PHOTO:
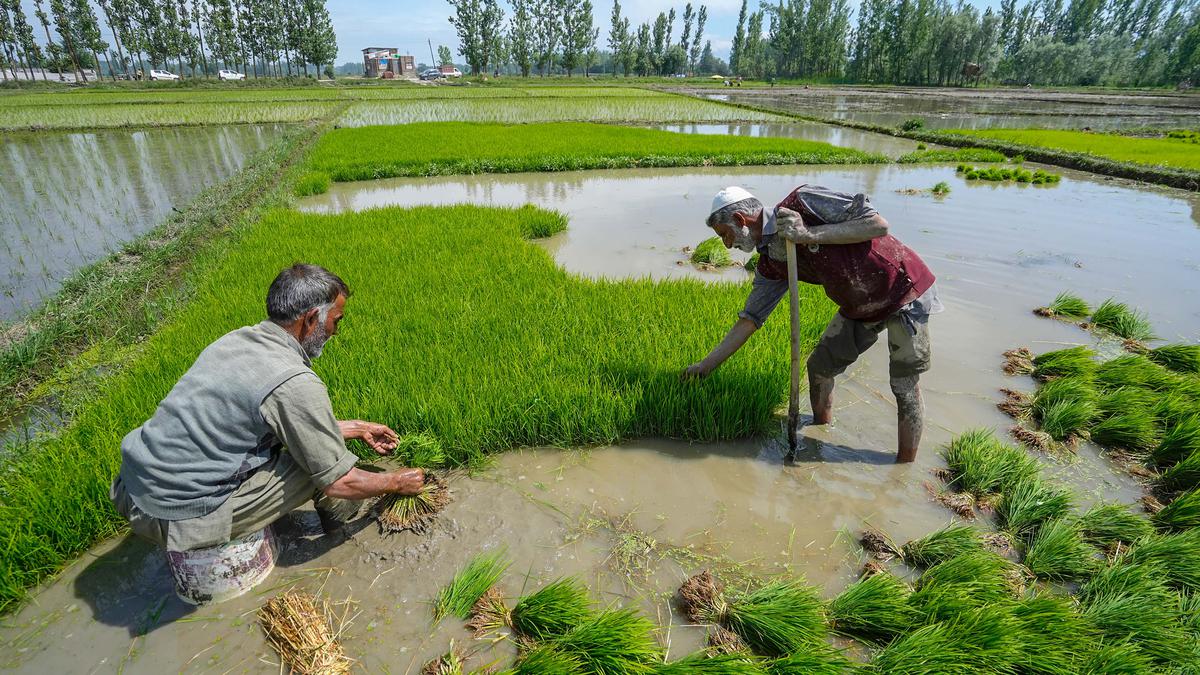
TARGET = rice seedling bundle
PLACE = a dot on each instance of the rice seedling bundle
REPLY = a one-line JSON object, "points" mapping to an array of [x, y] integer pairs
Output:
{"points": [[548, 660], [942, 545], [1119, 319], [450, 663], [1177, 357], [874, 609], [1182, 513], [1059, 552], [1134, 370], [751, 263], [1030, 503], [1106, 525], [1176, 555], [1063, 390], [300, 631], [1133, 429], [712, 252], [821, 659], [962, 583], [1131, 602], [1067, 420], [982, 465], [1182, 476], [702, 663], [777, 619], [1118, 657], [1054, 638], [469, 585], [415, 513], [1125, 399], [980, 640], [1068, 306], [1175, 409], [552, 610], [1181, 441], [451, 147], [1064, 362], [614, 642]]}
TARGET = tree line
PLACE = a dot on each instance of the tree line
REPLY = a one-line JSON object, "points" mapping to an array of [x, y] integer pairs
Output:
{"points": [[192, 37], [928, 42]]}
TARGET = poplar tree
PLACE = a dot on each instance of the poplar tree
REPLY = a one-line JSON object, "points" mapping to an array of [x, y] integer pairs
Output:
{"points": [[618, 38], [87, 30], [547, 33], [577, 34], [62, 24], [694, 51], [739, 41], [521, 36]]}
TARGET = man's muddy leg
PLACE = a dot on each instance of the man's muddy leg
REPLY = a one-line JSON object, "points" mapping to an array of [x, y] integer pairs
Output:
{"points": [[910, 414], [820, 395]]}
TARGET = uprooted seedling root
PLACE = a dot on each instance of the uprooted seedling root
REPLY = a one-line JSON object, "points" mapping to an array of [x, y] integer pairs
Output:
{"points": [[722, 641], [1018, 361], [702, 597], [450, 663], [871, 568], [415, 513], [1037, 440], [1016, 404], [879, 545], [489, 614], [1001, 545], [961, 503], [1151, 504]]}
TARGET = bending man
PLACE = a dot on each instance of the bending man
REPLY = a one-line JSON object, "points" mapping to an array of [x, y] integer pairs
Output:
{"points": [[248, 433], [878, 283]]}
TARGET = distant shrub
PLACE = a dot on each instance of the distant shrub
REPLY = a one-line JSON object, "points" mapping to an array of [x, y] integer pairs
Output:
{"points": [[912, 124]]}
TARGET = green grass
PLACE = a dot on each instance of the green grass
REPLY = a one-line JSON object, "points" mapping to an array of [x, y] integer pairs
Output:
{"points": [[1058, 551], [1069, 306], [1151, 151], [613, 642], [1177, 357], [1030, 503], [1106, 525], [639, 109], [185, 114], [1073, 361], [1183, 513], [982, 465], [312, 183], [446, 148], [424, 320], [480, 574], [951, 155], [874, 609], [1122, 321], [552, 610], [712, 251], [779, 618], [942, 545]]}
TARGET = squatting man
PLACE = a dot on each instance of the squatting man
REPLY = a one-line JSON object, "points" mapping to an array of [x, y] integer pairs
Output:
{"points": [[878, 283], [248, 433]]}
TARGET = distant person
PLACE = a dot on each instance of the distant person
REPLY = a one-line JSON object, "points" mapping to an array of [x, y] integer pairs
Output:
{"points": [[878, 283], [248, 434]]}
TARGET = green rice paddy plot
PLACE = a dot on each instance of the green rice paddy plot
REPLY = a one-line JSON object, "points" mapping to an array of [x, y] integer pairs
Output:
{"points": [[1169, 152], [634, 109], [166, 115], [446, 304], [951, 155], [457, 147]]}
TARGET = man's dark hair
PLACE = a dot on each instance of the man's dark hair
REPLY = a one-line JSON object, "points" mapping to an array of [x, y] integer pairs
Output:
{"points": [[300, 288]]}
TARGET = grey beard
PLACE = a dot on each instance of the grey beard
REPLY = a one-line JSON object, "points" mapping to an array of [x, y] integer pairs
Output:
{"points": [[314, 343], [743, 241]]}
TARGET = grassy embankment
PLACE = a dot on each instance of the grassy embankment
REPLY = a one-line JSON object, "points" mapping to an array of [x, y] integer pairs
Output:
{"points": [[1165, 151], [505, 348], [449, 148]]}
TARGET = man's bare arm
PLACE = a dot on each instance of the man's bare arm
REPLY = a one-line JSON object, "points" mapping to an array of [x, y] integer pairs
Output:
{"points": [[360, 484], [845, 232], [733, 341]]}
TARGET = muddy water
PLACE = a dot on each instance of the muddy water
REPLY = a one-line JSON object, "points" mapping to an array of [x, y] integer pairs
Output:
{"points": [[634, 520], [72, 198], [866, 141], [973, 109]]}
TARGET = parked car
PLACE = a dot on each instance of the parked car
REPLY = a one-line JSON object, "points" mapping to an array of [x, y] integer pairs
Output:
{"points": [[163, 75], [230, 75], [452, 72], [430, 74]]}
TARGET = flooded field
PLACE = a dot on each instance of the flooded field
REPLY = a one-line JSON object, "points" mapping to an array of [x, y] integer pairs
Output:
{"points": [[969, 108], [889, 146], [72, 198], [634, 520]]}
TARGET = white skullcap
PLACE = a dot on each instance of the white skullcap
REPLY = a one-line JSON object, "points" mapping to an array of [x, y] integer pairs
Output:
{"points": [[730, 195]]}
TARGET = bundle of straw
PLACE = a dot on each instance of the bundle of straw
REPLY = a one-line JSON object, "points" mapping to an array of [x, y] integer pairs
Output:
{"points": [[302, 635], [415, 513]]}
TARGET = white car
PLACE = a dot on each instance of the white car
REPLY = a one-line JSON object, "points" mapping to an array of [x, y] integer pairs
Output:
{"points": [[455, 72], [163, 75], [230, 75]]}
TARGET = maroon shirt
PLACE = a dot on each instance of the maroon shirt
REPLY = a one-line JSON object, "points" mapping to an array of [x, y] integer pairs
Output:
{"points": [[869, 281]]}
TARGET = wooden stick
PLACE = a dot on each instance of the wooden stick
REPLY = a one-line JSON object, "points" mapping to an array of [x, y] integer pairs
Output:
{"points": [[794, 400]]}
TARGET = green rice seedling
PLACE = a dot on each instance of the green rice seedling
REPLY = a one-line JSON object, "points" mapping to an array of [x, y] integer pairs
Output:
{"points": [[1124, 399], [1107, 525], [1134, 370], [1018, 361], [1176, 555], [940, 189], [552, 610], [1068, 306], [1174, 409], [751, 263], [312, 183], [666, 108], [780, 618], [415, 513], [1118, 657], [1066, 421], [613, 642], [1117, 318], [820, 659], [1184, 475], [1064, 389], [964, 582], [874, 609], [1177, 357], [703, 663], [450, 663], [982, 465], [1079, 361], [925, 156], [942, 545], [1031, 502], [1131, 430], [712, 252], [1182, 513], [1059, 552], [1054, 638], [1131, 602], [1181, 441], [548, 660], [461, 594], [979, 640]]}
